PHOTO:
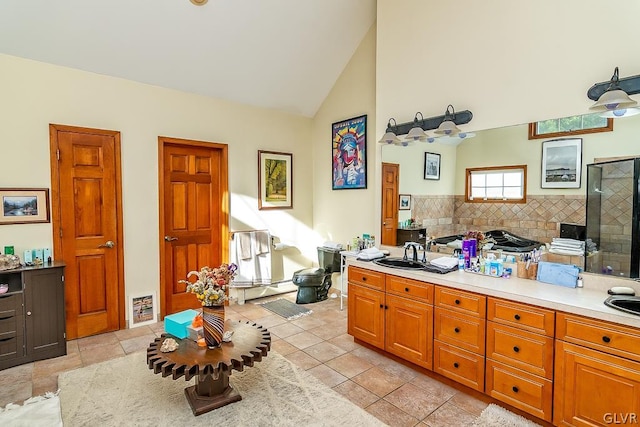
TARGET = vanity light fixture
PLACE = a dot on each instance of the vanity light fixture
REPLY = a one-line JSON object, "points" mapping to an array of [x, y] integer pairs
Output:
{"points": [[417, 133], [390, 137], [448, 127], [451, 116], [612, 98]]}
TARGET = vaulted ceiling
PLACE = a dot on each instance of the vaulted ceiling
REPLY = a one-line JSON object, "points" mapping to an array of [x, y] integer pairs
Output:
{"points": [[279, 54]]}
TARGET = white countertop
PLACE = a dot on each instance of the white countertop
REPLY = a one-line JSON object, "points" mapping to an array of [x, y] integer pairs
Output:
{"points": [[587, 301]]}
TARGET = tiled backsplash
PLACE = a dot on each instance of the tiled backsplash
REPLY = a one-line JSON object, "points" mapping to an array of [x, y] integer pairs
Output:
{"points": [[538, 219]]}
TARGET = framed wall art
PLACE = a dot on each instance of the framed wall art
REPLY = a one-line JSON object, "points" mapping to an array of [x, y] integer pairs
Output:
{"points": [[431, 166], [561, 163], [275, 180], [405, 202], [349, 153], [142, 309], [24, 205]]}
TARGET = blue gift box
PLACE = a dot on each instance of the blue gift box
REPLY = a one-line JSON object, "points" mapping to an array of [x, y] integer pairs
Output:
{"points": [[176, 323]]}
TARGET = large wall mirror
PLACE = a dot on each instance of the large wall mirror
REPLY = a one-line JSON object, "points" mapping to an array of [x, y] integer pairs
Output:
{"points": [[439, 205]]}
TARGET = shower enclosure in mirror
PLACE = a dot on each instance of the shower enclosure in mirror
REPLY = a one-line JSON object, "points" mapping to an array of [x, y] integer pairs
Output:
{"points": [[612, 221]]}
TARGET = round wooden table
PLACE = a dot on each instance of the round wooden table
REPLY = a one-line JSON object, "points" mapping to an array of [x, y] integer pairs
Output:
{"points": [[211, 368]]}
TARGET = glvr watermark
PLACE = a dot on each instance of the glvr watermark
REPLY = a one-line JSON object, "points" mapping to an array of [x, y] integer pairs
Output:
{"points": [[620, 418]]}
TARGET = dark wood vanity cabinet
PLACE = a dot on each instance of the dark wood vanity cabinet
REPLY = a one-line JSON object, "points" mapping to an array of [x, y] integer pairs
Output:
{"points": [[32, 315], [418, 235]]}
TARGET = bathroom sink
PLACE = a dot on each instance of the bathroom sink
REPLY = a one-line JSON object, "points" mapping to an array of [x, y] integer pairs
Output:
{"points": [[626, 303], [400, 263]]}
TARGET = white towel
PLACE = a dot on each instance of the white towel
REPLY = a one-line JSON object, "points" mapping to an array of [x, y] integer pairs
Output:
{"points": [[244, 244], [263, 242], [444, 262]]}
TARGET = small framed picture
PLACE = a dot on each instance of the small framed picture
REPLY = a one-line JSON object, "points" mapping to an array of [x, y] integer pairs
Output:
{"points": [[405, 202], [431, 166], [24, 205], [561, 163], [142, 309], [275, 180]]}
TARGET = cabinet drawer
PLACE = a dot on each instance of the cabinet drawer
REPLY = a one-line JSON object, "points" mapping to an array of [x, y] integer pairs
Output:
{"points": [[462, 366], [371, 279], [461, 301], [11, 347], [10, 302], [599, 335], [8, 324], [521, 349], [409, 288], [459, 329], [520, 389], [522, 316]]}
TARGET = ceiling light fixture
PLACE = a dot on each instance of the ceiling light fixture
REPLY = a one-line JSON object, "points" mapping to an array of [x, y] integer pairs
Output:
{"points": [[390, 137], [417, 133], [199, 2], [612, 97], [448, 127], [451, 116]]}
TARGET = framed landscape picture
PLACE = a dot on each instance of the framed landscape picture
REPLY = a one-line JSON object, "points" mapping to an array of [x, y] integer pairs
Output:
{"points": [[405, 202], [561, 163], [349, 155], [24, 205], [275, 180]]}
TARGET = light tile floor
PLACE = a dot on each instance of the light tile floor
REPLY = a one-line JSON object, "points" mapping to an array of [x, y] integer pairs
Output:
{"points": [[394, 393]]}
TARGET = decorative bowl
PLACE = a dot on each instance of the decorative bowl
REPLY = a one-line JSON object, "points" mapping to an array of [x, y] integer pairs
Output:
{"points": [[4, 287]]}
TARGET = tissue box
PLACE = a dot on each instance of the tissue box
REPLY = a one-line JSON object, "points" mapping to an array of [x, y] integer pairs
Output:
{"points": [[176, 324]]}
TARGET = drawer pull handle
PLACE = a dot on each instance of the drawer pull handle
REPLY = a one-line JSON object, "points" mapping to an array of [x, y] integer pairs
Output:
{"points": [[455, 365], [516, 349], [515, 389], [456, 330], [517, 317], [386, 307], [457, 302], [606, 339], [406, 289], [364, 279], [381, 306]]}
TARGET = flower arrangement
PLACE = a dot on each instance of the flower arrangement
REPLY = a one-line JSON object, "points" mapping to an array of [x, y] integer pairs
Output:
{"points": [[211, 284]]}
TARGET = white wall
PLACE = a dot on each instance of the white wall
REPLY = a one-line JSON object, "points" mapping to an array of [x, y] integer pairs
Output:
{"points": [[341, 215], [508, 62], [35, 94]]}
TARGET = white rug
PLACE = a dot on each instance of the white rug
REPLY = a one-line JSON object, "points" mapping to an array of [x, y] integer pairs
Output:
{"points": [[124, 392], [39, 411], [497, 416]]}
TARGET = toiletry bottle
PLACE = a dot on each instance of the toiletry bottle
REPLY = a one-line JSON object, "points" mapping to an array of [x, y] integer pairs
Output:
{"points": [[460, 262]]}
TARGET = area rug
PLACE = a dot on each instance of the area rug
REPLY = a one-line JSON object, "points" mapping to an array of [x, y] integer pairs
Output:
{"points": [[124, 392], [34, 412], [497, 416], [285, 308]]}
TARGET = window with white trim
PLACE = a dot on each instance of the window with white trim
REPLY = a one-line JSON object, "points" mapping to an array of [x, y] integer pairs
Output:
{"points": [[497, 184]]}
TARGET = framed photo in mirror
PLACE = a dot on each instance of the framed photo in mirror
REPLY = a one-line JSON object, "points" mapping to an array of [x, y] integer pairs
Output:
{"points": [[561, 163], [431, 166]]}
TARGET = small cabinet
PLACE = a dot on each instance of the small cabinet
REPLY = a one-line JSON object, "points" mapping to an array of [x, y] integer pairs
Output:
{"points": [[404, 235], [32, 315], [597, 372], [392, 313]]}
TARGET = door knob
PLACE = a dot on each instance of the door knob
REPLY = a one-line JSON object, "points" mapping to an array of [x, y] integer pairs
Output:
{"points": [[108, 244], [170, 238]]}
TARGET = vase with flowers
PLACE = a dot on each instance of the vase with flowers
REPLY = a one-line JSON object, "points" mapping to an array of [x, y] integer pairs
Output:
{"points": [[210, 288]]}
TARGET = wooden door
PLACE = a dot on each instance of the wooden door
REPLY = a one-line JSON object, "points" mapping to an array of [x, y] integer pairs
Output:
{"points": [[194, 215], [87, 227], [592, 388], [390, 174]]}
